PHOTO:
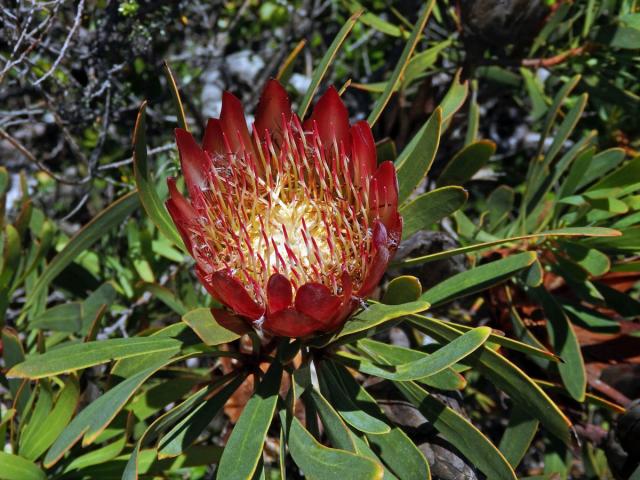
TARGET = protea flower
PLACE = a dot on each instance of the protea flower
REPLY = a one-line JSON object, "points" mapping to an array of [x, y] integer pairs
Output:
{"points": [[292, 224]]}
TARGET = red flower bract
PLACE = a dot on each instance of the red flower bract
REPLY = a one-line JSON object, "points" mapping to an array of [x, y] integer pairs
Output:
{"points": [[292, 224]]}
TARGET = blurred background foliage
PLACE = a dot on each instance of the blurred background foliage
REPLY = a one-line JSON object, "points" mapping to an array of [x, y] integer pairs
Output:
{"points": [[541, 128]]}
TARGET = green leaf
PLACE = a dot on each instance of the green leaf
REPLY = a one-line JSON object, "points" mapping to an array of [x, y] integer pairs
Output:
{"points": [[591, 319], [244, 447], [336, 430], [374, 21], [109, 218], [565, 343], [352, 402], [414, 162], [364, 449], [13, 354], [402, 289], [146, 188], [14, 467], [534, 275], [466, 163], [126, 367], [163, 422], [563, 232], [565, 129], [104, 295], [69, 358], [454, 99], [620, 36], [592, 260], [473, 118], [46, 433], [554, 109], [175, 93], [478, 279], [400, 454], [319, 462], [378, 314], [500, 205], [443, 358], [539, 171], [324, 64], [518, 435], [166, 296], [39, 413], [420, 62], [535, 90], [98, 456], [214, 331], [629, 241], [424, 211], [506, 342], [186, 432], [401, 64], [11, 255], [628, 174], [447, 379], [459, 432], [506, 376], [91, 421], [66, 317]]}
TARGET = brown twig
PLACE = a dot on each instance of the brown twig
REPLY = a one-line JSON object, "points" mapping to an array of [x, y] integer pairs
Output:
{"points": [[539, 62], [555, 60]]}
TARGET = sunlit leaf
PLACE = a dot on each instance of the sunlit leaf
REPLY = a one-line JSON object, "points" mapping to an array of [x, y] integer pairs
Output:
{"points": [[244, 447], [82, 355], [425, 210]]}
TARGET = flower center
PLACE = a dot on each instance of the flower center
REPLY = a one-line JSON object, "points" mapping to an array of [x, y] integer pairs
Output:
{"points": [[302, 217]]}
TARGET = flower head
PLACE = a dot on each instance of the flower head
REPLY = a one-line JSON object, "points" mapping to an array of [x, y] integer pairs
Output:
{"points": [[289, 224]]}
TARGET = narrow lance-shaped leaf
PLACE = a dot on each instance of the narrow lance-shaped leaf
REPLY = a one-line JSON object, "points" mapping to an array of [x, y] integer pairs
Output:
{"points": [[444, 357], [97, 415], [146, 188], [186, 432], [565, 129], [431, 207], [380, 352], [562, 232], [401, 64], [175, 93], [334, 427], [454, 99], [352, 402], [324, 64], [466, 163], [82, 355], [564, 341], [518, 435], [506, 376], [244, 447], [478, 279], [318, 461], [462, 434], [14, 467], [414, 162], [375, 315], [55, 422], [163, 422]]}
